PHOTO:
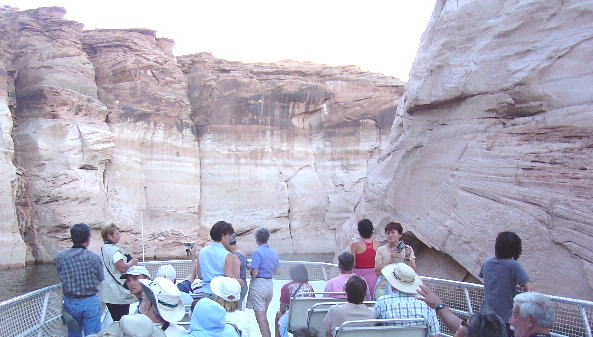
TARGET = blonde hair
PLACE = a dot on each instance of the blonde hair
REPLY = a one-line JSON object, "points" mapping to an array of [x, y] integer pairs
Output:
{"points": [[108, 229], [227, 305]]}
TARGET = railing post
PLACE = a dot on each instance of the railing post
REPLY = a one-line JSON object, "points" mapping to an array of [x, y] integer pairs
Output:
{"points": [[468, 300], [43, 314], [585, 320], [324, 273]]}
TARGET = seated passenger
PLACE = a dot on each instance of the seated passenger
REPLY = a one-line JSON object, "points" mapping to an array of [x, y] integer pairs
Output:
{"points": [[401, 302], [336, 284], [356, 289], [133, 277], [208, 320], [163, 305], [132, 325], [167, 271], [298, 287], [228, 293]]}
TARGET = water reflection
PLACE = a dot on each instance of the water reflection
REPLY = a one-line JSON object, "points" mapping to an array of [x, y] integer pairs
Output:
{"points": [[23, 280], [36, 276]]}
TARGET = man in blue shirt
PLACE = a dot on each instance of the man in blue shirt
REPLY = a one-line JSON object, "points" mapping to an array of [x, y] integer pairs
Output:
{"points": [[264, 263], [81, 271]]}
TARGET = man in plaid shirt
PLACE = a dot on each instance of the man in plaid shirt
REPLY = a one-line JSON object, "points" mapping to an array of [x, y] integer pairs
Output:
{"points": [[80, 271], [402, 303]]}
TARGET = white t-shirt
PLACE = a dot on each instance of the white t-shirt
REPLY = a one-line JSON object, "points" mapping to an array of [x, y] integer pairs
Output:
{"points": [[118, 256], [241, 320]]}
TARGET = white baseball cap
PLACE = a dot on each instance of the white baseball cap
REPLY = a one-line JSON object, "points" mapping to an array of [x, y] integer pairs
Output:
{"points": [[226, 288], [167, 271]]}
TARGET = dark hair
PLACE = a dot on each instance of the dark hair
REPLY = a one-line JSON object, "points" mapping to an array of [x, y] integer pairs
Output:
{"points": [[306, 332], [299, 273], [365, 228], [508, 246], [394, 226], [346, 261], [486, 325], [80, 232], [262, 235], [220, 229], [356, 289]]}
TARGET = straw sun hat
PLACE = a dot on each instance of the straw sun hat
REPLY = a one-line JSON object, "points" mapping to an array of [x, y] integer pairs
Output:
{"points": [[402, 277]]}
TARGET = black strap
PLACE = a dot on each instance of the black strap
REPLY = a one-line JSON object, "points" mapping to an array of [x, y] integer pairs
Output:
{"points": [[103, 258], [165, 326], [296, 291]]}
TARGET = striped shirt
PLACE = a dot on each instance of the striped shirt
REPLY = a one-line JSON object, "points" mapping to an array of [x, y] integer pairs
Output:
{"points": [[80, 271], [403, 305]]}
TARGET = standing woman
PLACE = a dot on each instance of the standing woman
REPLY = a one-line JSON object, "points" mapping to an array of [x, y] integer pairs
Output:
{"points": [[364, 251], [502, 274], [115, 263]]}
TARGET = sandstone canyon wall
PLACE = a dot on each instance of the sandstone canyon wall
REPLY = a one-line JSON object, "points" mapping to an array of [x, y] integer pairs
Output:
{"points": [[110, 127], [495, 132]]}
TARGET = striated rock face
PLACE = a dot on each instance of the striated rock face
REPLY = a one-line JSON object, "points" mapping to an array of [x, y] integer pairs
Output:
{"points": [[495, 132], [110, 127], [153, 176], [12, 246], [287, 145]]}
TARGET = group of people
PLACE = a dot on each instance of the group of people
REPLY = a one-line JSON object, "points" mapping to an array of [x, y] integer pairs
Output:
{"points": [[116, 280], [369, 271], [389, 272]]}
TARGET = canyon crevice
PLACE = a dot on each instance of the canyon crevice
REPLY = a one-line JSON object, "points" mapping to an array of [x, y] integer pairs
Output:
{"points": [[494, 133]]}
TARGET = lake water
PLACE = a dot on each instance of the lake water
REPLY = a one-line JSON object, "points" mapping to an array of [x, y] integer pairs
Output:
{"points": [[20, 281]]}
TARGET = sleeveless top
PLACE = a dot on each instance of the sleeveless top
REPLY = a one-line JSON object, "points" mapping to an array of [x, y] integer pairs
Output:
{"points": [[111, 290], [243, 267], [366, 259], [212, 259]]}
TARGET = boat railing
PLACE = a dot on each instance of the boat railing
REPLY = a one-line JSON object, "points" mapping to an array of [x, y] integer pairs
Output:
{"points": [[38, 313]]}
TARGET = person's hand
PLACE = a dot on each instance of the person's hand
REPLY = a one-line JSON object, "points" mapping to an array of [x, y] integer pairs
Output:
{"points": [[408, 251], [395, 254], [461, 332], [193, 251], [426, 295], [133, 261]]}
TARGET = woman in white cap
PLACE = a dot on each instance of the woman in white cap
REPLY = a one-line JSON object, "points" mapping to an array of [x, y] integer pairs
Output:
{"points": [[227, 293], [162, 304], [132, 326]]}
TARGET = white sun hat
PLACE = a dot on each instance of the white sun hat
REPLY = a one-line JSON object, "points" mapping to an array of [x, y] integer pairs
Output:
{"points": [[167, 298], [167, 271], [227, 288], [402, 277], [137, 325]]}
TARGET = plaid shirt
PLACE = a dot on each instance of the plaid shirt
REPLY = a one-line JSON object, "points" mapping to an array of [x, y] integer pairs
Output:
{"points": [[403, 305], [80, 271]]}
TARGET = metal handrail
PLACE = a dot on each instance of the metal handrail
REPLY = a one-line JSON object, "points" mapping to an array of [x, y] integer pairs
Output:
{"points": [[580, 310]]}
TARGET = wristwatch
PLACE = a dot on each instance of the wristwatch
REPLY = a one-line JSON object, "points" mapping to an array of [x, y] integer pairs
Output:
{"points": [[439, 307]]}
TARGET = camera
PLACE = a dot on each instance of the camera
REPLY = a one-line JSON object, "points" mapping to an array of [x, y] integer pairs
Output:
{"points": [[128, 257], [188, 246]]}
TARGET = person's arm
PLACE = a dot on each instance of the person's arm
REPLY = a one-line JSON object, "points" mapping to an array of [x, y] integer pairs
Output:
{"points": [[529, 286], [353, 250], [123, 266], [379, 263], [231, 267], [255, 263], [426, 295], [193, 274]]}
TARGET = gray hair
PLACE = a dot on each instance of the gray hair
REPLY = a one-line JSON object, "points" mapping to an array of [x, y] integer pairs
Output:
{"points": [[538, 306], [262, 235]]}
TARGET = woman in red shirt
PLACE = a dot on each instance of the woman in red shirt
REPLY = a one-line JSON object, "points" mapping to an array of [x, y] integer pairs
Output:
{"points": [[364, 254]]}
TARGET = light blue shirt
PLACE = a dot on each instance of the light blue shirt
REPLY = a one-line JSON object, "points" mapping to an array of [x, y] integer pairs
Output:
{"points": [[212, 258], [265, 260]]}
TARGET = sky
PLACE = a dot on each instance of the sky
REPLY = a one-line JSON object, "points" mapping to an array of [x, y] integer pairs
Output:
{"points": [[376, 35]]}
